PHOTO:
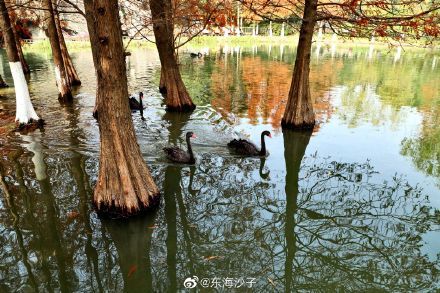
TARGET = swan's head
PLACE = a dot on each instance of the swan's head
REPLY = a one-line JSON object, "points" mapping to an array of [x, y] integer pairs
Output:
{"points": [[141, 95], [266, 133], [190, 134]]}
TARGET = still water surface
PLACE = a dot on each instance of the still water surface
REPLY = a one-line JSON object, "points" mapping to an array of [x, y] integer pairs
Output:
{"points": [[352, 206]]}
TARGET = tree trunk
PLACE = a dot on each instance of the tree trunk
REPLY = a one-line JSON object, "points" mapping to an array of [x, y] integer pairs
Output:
{"points": [[270, 29], [3, 84], [162, 86], [125, 186], [171, 85], [71, 74], [299, 109], [65, 94], [24, 64], [25, 112]]}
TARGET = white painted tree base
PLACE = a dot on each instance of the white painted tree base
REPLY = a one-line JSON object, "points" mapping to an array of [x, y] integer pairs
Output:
{"points": [[59, 80], [24, 109]]}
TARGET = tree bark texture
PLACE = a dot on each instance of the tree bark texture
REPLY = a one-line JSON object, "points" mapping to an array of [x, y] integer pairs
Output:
{"points": [[8, 34], [162, 85], [125, 186], [25, 112], [24, 64], [171, 84], [71, 74], [65, 94], [299, 109]]}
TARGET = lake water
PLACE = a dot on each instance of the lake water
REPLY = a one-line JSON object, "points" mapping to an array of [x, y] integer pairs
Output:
{"points": [[353, 206]]}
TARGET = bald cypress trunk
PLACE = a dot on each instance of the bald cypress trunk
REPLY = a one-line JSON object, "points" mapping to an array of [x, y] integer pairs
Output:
{"points": [[65, 94], [171, 84], [299, 109], [71, 74], [125, 186], [162, 85], [25, 112], [24, 64]]}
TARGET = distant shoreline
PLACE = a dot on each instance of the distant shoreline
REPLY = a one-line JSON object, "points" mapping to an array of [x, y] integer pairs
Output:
{"points": [[211, 41]]}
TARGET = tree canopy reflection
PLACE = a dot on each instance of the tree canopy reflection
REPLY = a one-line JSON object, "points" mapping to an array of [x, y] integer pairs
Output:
{"points": [[319, 224]]}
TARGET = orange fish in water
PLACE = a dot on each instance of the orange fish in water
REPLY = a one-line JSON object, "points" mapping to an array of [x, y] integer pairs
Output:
{"points": [[131, 271]]}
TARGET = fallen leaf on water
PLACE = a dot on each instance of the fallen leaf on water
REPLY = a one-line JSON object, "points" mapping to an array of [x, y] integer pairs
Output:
{"points": [[212, 257], [271, 281], [132, 269], [72, 215]]}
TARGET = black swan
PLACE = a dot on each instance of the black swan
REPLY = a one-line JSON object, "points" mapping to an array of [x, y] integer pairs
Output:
{"points": [[134, 104], [194, 55], [178, 155], [246, 148]]}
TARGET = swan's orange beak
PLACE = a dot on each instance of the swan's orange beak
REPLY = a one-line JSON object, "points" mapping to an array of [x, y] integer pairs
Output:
{"points": [[193, 136], [270, 135]]}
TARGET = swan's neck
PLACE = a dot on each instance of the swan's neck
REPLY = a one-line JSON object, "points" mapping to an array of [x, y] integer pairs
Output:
{"points": [[263, 146], [142, 107], [188, 143]]}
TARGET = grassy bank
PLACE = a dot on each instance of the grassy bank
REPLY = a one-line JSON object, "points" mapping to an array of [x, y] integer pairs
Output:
{"points": [[218, 41], [80, 45], [292, 40]]}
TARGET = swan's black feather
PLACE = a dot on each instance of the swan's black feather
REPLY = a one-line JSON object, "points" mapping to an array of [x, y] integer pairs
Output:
{"points": [[134, 104], [243, 147], [178, 155]]}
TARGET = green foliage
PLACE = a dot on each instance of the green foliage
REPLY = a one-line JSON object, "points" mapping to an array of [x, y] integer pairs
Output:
{"points": [[425, 149], [246, 41]]}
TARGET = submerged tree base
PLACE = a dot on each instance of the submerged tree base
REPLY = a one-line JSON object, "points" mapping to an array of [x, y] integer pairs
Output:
{"points": [[181, 108], [75, 82], [110, 211], [294, 126], [177, 99], [30, 126], [66, 98], [9, 125]]}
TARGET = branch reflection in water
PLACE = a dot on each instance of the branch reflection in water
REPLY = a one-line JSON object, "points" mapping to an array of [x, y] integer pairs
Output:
{"points": [[317, 224]]}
